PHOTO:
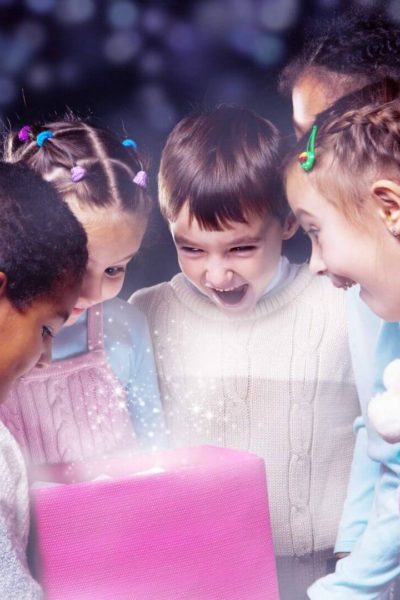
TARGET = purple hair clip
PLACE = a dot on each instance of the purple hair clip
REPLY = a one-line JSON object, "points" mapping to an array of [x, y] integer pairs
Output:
{"points": [[141, 179], [77, 174], [24, 133]]}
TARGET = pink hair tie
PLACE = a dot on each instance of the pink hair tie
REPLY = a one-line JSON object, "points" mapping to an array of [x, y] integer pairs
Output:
{"points": [[141, 179], [24, 133], [77, 174]]}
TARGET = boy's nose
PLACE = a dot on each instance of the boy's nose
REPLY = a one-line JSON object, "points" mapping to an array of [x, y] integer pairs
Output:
{"points": [[218, 275]]}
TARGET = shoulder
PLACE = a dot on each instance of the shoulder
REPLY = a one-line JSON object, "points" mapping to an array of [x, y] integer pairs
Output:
{"points": [[314, 298], [12, 466], [118, 310], [305, 292], [122, 319], [321, 287], [145, 297], [174, 299]]}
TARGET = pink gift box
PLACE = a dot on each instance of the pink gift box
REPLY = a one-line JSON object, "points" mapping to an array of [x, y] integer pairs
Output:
{"points": [[189, 524]]}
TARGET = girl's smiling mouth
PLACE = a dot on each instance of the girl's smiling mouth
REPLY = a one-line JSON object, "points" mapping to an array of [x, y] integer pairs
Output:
{"points": [[341, 282]]}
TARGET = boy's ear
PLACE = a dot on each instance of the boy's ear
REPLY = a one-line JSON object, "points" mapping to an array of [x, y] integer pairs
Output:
{"points": [[290, 226], [386, 194]]}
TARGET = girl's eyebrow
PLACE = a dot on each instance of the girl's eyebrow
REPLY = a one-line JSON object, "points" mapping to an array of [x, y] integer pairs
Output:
{"points": [[63, 315], [126, 257], [301, 213]]}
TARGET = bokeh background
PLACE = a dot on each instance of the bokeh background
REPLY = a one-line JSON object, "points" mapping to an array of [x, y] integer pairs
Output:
{"points": [[139, 66]]}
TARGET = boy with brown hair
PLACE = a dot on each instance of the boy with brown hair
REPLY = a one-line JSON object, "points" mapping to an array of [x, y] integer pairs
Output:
{"points": [[252, 350]]}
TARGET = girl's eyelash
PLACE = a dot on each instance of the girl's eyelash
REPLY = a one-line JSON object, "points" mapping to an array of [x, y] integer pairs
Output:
{"points": [[311, 231], [313, 235], [115, 270], [46, 331]]}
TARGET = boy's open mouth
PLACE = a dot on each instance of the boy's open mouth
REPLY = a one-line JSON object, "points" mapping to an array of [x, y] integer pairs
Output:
{"points": [[231, 296]]}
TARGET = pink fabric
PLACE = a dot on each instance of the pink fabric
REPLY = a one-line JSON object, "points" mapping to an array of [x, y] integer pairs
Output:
{"points": [[73, 409], [198, 530]]}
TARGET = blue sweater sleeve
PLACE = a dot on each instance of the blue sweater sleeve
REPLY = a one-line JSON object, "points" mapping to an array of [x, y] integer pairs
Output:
{"points": [[363, 330], [374, 561], [129, 350], [360, 492]]}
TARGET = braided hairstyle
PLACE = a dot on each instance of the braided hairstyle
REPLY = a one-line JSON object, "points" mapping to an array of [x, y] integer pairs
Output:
{"points": [[107, 167], [356, 48], [358, 138]]}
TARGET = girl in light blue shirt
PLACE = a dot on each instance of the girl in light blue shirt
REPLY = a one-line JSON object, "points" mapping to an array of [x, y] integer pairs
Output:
{"points": [[343, 189], [100, 394]]}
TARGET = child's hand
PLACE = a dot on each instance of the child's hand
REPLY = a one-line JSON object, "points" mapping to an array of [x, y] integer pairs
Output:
{"points": [[384, 408]]}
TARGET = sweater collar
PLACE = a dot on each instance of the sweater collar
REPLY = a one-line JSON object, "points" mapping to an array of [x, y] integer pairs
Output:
{"points": [[286, 288]]}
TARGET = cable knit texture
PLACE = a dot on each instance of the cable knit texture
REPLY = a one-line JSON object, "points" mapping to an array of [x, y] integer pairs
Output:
{"points": [[276, 382], [73, 409], [16, 582]]}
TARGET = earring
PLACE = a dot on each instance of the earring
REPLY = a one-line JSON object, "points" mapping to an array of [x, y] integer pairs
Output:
{"points": [[391, 226], [395, 232]]}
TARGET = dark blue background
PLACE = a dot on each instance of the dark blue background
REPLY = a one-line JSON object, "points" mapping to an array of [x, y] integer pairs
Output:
{"points": [[139, 66]]}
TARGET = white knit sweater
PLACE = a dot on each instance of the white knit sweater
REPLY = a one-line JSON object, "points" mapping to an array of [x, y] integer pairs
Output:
{"points": [[16, 582], [276, 382]]}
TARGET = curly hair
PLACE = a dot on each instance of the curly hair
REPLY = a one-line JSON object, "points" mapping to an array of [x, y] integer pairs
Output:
{"points": [[109, 166], [42, 245], [359, 46], [225, 164]]}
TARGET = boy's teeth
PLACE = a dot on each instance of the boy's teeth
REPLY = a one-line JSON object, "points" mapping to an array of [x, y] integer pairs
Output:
{"points": [[231, 296]]}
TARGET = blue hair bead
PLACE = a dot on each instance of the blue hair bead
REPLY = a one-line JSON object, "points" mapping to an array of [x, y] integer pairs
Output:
{"points": [[43, 136], [128, 143]]}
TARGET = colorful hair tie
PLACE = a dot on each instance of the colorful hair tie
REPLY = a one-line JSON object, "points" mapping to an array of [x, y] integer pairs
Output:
{"points": [[24, 133], [43, 136], [78, 173], [307, 158], [141, 179], [128, 143]]}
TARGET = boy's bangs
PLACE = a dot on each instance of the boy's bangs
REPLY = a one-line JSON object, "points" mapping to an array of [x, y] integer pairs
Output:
{"points": [[216, 213], [229, 196]]}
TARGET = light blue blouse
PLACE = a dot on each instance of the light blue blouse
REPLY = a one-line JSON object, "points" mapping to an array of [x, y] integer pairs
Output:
{"points": [[370, 527], [129, 350]]}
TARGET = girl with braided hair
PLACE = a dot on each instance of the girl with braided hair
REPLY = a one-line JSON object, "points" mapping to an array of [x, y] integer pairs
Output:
{"points": [[357, 48], [100, 394], [345, 191]]}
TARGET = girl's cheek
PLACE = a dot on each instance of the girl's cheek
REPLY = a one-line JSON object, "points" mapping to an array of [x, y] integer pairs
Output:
{"points": [[114, 287]]}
